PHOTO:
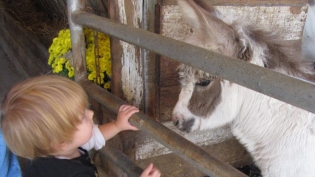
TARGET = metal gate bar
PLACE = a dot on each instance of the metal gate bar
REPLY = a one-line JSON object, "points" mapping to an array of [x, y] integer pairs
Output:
{"points": [[297, 92], [77, 40], [176, 143], [121, 160]]}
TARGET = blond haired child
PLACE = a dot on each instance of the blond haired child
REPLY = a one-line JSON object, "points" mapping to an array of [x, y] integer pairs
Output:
{"points": [[46, 119]]}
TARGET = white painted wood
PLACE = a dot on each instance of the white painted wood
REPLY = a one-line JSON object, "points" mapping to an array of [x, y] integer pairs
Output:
{"points": [[147, 147], [281, 18], [131, 72]]}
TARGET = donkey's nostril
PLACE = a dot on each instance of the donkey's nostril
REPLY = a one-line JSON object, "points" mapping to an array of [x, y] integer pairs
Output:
{"points": [[175, 122]]}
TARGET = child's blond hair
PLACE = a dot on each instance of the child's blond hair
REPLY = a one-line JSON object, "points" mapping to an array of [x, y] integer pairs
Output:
{"points": [[41, 112]]}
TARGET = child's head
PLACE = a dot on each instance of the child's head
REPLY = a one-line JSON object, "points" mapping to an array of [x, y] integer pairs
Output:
{"points": [[41, 112]]}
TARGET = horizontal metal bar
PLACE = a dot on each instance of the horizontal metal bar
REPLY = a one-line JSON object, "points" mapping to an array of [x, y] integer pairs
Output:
{"points": [[176, 143], [122, 161], [282, 87]]}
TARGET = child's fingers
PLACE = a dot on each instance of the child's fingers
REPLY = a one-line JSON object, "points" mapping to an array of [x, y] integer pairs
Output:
{"points": [[126, 111], [131, 110], [123, 107], [133, 127], [155, 173], [148, 169], [127, 108]]}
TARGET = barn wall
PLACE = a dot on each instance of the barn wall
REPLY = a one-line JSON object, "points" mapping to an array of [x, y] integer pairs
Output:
{"points": [[22, 47], [59, 7], [134, 68]]}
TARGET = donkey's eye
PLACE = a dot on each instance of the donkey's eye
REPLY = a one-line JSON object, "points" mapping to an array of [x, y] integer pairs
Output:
{"points": [[203, 83]]}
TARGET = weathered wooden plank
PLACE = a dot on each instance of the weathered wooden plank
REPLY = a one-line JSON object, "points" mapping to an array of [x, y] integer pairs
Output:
{"points": [[290, 21], [230, 152], [168, 98], [246, 2], [148, 147], [126, 62], [218, 142], [98, 7], [22, 46], [59, 7], [168, 72]]}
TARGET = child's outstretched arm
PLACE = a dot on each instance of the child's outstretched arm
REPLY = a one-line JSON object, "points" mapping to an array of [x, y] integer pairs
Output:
{"points": [[151, 171], [111, 129]]}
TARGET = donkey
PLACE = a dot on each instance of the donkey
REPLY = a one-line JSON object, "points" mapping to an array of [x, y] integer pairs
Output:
{"points": [[280, 137]]}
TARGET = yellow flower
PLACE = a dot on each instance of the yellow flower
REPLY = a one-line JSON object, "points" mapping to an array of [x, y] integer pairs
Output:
{"points": [[91, 76], [71, 73], [61, 46], [107, 85]]}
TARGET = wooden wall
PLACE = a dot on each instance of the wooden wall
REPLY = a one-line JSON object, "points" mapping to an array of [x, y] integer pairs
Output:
{"points": [[22, 47], [134, 68], [59, 7]]}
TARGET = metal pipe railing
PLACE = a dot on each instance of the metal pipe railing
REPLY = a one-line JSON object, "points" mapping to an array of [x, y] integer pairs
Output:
{"points": [[77, 40], [297, 92], [122, 161], [176, 143]]}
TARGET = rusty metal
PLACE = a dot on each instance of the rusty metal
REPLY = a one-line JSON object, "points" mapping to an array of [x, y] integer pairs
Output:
{"points": [[77, 40], [97, 58], [122, 161], [188, 151], [294, 91]]}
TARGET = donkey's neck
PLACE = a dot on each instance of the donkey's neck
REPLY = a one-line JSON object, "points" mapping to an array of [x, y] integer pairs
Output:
{"points": [[264, 121]]}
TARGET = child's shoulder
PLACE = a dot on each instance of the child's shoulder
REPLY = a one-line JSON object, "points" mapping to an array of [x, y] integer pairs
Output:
{"points": [[52, 167]]}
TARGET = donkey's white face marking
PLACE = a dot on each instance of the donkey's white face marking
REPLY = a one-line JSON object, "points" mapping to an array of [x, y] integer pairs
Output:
{"points": [[201, 99], [182, 117]]}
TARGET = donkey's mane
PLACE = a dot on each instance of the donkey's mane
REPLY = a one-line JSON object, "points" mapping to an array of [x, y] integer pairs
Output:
{"points": [[275, 53]]}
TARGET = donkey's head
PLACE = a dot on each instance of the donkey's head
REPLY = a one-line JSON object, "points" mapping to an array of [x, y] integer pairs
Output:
{"points": [[206, 101], [201, 93]]}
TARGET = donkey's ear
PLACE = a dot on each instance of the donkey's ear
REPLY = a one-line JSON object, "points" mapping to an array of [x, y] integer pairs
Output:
{"points": [[206, 6], [201, 16]]}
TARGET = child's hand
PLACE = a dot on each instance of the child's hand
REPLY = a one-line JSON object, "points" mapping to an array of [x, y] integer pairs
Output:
{"points": [[151, 171], [124, 113]]}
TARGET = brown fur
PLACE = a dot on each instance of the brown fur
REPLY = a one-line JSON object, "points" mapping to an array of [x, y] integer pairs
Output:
{"points": [[204, 99]]}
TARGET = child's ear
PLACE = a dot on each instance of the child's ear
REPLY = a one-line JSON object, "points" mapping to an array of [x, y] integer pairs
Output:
{"points": [[59, 145], [63, 146]]}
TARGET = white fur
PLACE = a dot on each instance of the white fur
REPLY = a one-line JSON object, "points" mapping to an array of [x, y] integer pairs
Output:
{"points": [[279, 136]]}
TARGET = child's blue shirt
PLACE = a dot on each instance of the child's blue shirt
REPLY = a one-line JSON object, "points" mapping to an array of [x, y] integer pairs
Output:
{"points": [[9, 164]]}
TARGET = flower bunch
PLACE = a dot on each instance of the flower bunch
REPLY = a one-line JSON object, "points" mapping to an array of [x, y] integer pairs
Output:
{"points": [[60, 56]]}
